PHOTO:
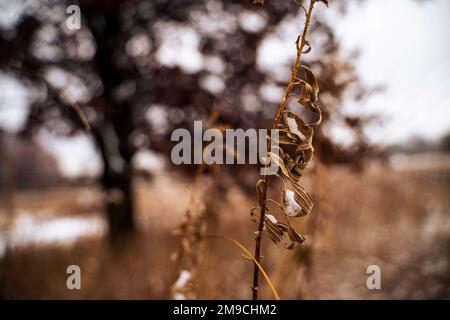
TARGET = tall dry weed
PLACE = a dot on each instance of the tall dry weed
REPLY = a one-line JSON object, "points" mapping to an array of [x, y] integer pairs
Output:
{"points": [[293, 133]]}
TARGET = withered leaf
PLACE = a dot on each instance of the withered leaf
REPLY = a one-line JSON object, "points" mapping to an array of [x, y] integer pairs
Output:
{"points": [[293, 134], [295, 237]]}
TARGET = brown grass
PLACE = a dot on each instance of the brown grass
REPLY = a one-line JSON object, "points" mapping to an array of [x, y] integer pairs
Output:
{"points": [[398, 220]]}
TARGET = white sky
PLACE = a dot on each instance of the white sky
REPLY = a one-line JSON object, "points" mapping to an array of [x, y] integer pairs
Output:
{"points": [[13, 104], [404, 45], [76, 155]]}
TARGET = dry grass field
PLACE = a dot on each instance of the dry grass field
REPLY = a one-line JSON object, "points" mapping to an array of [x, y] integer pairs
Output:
{"points": [[395, 217]]}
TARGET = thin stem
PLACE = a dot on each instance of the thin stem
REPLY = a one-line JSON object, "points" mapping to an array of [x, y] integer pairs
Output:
{"points": [[281, 109], [258, 265]]}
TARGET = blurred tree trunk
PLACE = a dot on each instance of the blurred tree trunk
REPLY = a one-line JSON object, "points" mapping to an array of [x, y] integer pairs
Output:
{"points": [[117, 182], [113, 131], [120, 206]]}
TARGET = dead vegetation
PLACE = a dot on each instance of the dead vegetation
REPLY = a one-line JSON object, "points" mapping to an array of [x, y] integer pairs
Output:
{"points": [[397, 220]]}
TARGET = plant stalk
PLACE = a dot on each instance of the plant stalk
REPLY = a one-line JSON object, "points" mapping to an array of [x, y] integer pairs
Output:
{"points": [[281, 109]]}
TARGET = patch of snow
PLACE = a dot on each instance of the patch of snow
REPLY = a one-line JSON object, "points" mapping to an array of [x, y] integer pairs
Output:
{"points": [[293, 209], [183, 279], [30, 229], [292, 124]]}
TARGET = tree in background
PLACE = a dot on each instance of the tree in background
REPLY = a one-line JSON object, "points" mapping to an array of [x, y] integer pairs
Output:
{"points": [[139, 69]]}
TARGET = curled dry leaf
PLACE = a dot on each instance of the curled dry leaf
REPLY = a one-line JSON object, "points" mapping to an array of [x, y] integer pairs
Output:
{"points": [[275, 229], [293, 131], [295, 237]]}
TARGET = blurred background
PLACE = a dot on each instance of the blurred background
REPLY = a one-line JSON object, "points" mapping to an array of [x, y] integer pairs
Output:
{"points": [[108, 198]]}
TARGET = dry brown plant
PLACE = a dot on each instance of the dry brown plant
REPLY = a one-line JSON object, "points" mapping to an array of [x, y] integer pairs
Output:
{"points": [[293, 133]]}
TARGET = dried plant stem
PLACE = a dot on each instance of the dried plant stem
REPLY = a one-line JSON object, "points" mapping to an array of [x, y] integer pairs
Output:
{"points": [[249, 255], [194, 223], [301, 42], [185, 258]]}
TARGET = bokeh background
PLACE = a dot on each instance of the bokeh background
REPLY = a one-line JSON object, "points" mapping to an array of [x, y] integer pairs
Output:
{"points": [[109, 199]]}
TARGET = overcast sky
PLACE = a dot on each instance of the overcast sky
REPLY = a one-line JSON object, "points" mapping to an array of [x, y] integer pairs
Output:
{"points": [[404, 45]]}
